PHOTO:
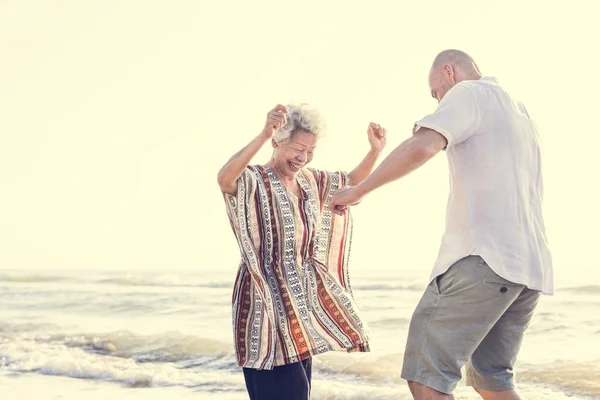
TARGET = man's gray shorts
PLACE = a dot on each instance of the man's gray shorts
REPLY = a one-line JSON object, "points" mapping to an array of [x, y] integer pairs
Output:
{"points": [[468, 315]]}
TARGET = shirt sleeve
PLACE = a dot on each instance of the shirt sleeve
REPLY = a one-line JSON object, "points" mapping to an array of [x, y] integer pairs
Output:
{"points": [[332, 247], [457, 116], [328, 183], [238, 204]]}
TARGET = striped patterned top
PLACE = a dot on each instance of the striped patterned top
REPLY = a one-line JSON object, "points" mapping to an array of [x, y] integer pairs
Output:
{"points": [[292, 297]]}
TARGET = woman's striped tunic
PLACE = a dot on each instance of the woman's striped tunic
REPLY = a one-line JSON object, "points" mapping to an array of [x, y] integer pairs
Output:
{"points": [[292, 297]]}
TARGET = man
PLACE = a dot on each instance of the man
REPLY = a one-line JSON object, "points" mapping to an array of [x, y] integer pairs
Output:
{"points": [[494, 260]]}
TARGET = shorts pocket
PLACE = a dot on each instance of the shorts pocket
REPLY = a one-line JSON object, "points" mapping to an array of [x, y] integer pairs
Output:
{"points": [[494, 279], [446, 280], [498, 286]]}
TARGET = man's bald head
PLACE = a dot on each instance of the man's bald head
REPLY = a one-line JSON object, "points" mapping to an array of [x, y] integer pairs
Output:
{"points": [[449, 68], [455, 57]]}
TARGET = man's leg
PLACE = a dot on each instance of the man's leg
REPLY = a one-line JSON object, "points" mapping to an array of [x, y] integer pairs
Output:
{"points": [[454, 315], [490, 369], [501, 395], [422, 392]]}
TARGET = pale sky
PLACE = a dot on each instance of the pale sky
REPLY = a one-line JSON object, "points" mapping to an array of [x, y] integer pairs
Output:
{"points": [[117, 115]]}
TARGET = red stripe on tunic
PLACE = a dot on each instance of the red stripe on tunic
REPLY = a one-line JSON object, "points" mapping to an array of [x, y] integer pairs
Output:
{"points": [[245, 300], [334, 312]]}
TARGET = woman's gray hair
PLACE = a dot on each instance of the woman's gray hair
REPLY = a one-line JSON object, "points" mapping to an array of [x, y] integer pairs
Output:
{"points": [[300, 117]]}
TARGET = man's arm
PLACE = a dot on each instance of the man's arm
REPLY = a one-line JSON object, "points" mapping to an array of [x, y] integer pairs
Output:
{"points": [[407, 157]]}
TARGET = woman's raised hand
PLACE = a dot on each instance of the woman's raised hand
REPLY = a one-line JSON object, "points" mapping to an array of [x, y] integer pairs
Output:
{"points": [[377, 136], [275, 120]]}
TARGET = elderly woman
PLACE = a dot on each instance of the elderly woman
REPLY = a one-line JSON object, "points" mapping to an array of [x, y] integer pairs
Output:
{"points": [[292, 298]]}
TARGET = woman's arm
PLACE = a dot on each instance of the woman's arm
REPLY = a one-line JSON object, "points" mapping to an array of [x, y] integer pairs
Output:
{"points": [[233, 169], [377, 140]]}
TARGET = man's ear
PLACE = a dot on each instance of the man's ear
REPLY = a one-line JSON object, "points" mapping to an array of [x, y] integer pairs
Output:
{"points": [[274, 143], [449, 72]]}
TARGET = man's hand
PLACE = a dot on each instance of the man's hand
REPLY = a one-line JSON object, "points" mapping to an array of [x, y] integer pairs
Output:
{"points": [[343, 198]]}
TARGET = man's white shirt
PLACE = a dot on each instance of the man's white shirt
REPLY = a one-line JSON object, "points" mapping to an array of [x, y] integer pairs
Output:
{"points": [[495, 203]]}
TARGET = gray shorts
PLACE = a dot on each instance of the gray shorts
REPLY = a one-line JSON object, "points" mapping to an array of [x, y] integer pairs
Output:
{"points": [[468, 315]]}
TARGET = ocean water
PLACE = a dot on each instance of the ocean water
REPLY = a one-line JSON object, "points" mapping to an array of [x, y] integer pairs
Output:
{"points": [[95, 335]]}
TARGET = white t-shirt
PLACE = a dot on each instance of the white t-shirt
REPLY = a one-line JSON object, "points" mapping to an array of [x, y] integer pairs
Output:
{"points": [[495, 203]]}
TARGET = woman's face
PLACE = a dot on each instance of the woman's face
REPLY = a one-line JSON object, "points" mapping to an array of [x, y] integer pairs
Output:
{"points": [[291, 157]]}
